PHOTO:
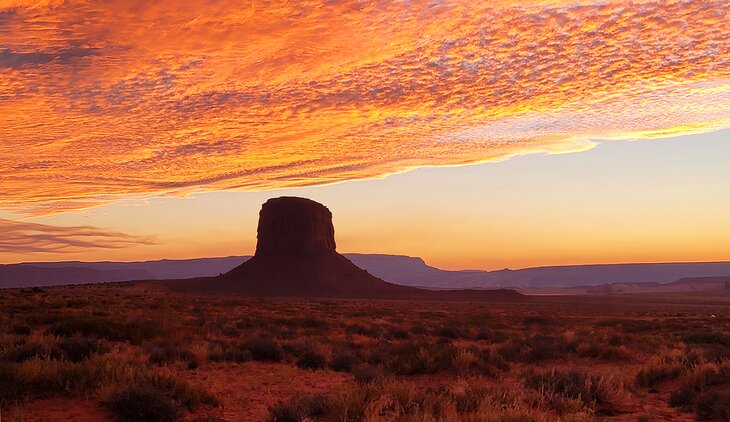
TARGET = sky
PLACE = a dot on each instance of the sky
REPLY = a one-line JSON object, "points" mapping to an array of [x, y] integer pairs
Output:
{"points": [[472, 134]]}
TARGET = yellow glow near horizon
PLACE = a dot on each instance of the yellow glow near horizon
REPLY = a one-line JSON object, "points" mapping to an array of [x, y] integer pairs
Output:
{"points": [[103, 100]]}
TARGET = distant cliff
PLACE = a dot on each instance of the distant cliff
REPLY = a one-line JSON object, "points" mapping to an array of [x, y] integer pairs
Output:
{"points": [[24, 275], [399, 269]]}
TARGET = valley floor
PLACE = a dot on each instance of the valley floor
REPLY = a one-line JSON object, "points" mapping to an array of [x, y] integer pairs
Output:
{"points": [[133, 353]]}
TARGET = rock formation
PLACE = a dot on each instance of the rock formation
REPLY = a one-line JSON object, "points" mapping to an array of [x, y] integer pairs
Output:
{"points": [[290, 226], [296, 256]]}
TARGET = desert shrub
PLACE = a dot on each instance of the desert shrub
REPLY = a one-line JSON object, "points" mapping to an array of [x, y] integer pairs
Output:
{"points": [[370, 330], [541, 348], [399, 334], [717, 353], [594, 349], [219, 351], [168, 352], [343, 360], [230, 331], [300, 408], [365, 373], [627, 325], [512, 350], [378, 354], [35, 378], [683, 397], [188, 396], [448, 332], [27, 351], [413, 358], [467, 400], [10, 388], [616, 339], [247, 323], [492, 362], [294, 348], [713, 405], [76, 303], [615, 354], [208, 418], [144, 403], [650, 376], [404, 401], [493, 336], [265, 349], [707, 338], [563, 389], [312, 359], [91, 326], [312, 323], [21, 329], [418, 330], [706, 391], [77, 349], [538, 320], [467, 362]]}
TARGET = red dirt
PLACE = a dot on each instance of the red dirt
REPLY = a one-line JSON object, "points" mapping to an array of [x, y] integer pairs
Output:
{"points": [[247, 390], [58, 410]]}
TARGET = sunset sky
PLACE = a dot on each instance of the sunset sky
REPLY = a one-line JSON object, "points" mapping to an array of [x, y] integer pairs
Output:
{"points": [[473, 134]]}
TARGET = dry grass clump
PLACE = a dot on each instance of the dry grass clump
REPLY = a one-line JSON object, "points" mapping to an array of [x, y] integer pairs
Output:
{"points": [[157, 399], [404, 401], [705, 391], [575, 391]]}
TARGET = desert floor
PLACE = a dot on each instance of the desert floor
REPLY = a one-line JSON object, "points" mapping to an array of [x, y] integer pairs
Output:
{"points": [[135, 353]]}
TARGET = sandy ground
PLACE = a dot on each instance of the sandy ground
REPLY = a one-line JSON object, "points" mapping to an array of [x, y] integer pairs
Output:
{"points": [[247, 390], [58, 410]]}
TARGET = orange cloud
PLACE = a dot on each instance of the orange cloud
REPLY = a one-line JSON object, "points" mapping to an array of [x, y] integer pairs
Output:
{"points": [[104, 99], [22, 237]]}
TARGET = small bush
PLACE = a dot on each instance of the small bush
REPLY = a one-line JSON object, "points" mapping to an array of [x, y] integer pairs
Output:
{"points": [[77, 349], [158, 399], [651, 376], [208, 418], [448, 332], [21, 330], [168, 352], [35, 378], [27, 351], [560, 387], [188, 396], [706, 392], [229, 352], [265, 350], [683, 397], [365, 374], [713, 405], [299, 409], [542, 348], [311, 359], [99, 327], [370, 330], [343, 361], [144, 403], [707, 338], [413, 359]]}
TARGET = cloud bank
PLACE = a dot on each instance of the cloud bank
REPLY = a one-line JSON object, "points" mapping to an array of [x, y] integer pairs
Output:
{"points": [[105, 99], [25, 237]]}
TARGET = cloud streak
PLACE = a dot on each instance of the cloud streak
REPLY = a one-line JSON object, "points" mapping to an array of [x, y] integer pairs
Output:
{"points": [[105, 99], [24, 237]]}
